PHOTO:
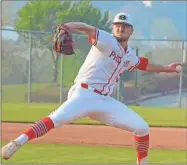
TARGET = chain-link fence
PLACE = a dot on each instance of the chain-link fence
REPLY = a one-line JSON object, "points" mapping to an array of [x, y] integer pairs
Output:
{"points": [[157, 89], [32, 72]]}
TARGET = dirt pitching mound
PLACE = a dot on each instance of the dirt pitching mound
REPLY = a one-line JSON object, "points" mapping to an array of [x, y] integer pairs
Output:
{"points": [[162, 138]]}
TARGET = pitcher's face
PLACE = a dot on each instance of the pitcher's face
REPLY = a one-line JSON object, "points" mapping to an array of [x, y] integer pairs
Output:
{"points": [[122, 31]]}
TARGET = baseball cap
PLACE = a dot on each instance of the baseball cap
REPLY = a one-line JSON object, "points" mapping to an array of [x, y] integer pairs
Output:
{"points": [[123, 18]]}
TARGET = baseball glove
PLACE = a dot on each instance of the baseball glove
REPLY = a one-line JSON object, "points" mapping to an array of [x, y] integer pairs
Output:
{"points": [[62, 40]]}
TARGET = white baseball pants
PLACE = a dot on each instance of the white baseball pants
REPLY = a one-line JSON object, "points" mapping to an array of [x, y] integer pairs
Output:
{"points": [[84, 102]]}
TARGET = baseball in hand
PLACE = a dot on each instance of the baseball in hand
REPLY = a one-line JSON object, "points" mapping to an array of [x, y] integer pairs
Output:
{"points": [[179, 68]]}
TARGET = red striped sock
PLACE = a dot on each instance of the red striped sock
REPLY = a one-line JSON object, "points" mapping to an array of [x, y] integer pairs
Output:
{"points": [[142, 146], [39, 128]]}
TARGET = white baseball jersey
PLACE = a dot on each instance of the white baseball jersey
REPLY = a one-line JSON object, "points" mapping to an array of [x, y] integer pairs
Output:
{"points": [[105, 62]]}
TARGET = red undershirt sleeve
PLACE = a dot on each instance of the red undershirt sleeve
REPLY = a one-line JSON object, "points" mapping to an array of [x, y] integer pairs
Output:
{"points": [[142, 64]]}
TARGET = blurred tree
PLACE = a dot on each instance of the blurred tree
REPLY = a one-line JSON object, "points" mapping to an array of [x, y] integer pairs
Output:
{"points": [[12, 72], [164, 28], [44, 15]]}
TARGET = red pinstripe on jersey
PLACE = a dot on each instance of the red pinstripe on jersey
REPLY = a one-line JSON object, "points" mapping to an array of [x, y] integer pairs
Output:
{"points": [[119, 72], [141, 65], [112, 74], [133, 67]]}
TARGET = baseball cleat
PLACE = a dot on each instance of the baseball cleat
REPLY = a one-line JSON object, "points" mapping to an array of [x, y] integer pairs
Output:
{"points": [[143, 161], [9, 149]]}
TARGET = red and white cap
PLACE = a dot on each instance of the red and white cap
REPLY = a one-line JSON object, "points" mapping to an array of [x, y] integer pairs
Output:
{"points": [[123, 18]]}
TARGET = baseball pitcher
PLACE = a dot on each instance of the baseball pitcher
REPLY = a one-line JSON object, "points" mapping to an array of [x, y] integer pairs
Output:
{"points": [[108, 58]]}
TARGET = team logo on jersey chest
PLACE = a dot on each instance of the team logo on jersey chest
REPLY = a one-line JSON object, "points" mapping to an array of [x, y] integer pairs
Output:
{"points": [[115, 57]]}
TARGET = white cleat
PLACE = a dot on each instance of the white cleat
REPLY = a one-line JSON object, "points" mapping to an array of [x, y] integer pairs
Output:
{"points": [[9, 149], [143, 161]]}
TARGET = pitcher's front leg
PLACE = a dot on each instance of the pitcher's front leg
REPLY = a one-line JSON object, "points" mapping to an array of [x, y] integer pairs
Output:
{"points": [[116, 114]]}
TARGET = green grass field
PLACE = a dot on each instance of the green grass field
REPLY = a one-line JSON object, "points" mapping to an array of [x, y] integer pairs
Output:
{"points": [[23, 112], [38, 153]]}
